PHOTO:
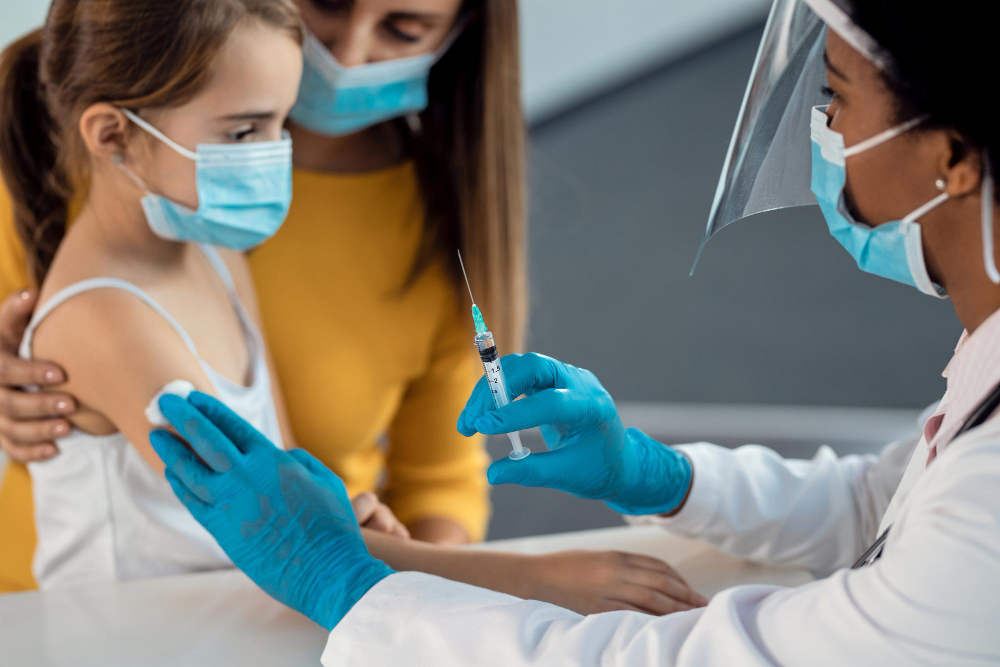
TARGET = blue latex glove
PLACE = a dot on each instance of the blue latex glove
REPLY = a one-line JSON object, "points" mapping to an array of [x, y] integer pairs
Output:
{"points": [[591, 454], [282, 517]]}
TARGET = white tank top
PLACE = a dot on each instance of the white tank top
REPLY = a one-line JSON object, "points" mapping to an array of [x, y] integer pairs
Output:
{"points": [[101, 513]]}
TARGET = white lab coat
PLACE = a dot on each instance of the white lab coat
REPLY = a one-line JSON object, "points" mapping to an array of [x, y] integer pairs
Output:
{"points": [[933, 598]]}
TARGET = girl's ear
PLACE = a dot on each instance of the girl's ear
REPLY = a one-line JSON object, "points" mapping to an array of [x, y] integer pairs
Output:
{"points": [[104, 129]]}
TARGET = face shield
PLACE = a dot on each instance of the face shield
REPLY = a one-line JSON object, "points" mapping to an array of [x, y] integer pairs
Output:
{"points": [[769, 162]]}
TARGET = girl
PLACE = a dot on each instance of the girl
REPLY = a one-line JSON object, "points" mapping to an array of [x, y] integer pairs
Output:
{"points": [[175, 159]]}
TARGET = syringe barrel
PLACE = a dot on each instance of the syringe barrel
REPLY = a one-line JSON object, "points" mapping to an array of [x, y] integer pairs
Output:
{"points": [[490, 357], [487, 346]]}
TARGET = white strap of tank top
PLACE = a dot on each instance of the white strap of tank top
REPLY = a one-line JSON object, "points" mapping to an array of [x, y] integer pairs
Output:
{"points": [[213, 257], [92, 284]]}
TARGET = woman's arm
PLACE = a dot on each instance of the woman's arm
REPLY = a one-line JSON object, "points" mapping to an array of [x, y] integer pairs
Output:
{"points": [[436, 477], [29, 423]]}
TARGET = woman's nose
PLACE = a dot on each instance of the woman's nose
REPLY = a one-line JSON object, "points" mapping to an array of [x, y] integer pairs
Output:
{"points": [[354, 45]]}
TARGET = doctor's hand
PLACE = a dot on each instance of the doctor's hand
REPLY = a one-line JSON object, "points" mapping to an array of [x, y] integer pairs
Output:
{"points": [[282, 517], [29, 422], [591, 454]]}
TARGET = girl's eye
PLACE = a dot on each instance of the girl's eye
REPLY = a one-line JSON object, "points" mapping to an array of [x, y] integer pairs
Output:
{"points": [[241, 134], [828, 91]]}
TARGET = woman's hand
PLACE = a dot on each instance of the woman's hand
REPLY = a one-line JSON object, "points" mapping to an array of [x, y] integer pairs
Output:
{"points": [[29, 422], [590, 582], [375, 515]]}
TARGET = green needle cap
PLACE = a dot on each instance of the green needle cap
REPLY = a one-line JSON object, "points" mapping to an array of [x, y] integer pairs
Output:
{"points": [[478, 317]]}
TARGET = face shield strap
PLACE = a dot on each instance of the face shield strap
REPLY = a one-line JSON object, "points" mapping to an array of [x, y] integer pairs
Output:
{"points": [[987, 214], [837, 18]]}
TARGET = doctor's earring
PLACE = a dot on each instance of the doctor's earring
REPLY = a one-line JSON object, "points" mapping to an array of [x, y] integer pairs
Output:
{"points": [[940, 184]]}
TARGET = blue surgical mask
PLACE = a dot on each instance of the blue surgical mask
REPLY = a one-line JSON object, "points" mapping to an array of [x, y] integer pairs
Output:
{"points": [[335, 100], [244, 193], [892, 250]]}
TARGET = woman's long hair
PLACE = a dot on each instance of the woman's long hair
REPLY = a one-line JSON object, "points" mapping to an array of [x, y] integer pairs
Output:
{"points": [[470, 156]]}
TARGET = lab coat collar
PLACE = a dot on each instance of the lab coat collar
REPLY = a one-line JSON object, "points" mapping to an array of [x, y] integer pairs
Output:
{"points": [[972, 373]]}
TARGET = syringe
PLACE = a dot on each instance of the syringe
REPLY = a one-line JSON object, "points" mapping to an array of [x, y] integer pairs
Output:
{"points": [[491, 363]]}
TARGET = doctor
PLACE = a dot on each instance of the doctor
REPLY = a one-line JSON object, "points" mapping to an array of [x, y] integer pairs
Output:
{"points": [[906, 145]]}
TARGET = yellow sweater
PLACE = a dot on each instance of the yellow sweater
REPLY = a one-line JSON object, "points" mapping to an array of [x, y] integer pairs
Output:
{"points": [[373, 377]]}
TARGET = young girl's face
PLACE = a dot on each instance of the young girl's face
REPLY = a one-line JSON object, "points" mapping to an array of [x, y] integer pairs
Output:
{"points": [[253, 86]]}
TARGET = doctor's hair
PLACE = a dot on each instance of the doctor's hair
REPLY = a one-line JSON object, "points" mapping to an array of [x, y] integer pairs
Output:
{"points": [[469, 157], [939, 66], [131, 53]]}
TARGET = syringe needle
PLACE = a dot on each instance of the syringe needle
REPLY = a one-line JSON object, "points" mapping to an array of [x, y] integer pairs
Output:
{"points": [[466, 275]]}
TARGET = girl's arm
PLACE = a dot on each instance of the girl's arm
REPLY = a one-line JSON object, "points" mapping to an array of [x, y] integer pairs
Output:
{"points": [[587, 582], [118, 354]]}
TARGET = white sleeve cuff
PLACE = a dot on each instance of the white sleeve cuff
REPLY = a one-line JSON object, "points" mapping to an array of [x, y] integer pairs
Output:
{"points": [[397, 606], [702, 502]]}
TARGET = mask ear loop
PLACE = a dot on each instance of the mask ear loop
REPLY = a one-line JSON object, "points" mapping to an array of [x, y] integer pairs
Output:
{"points": [[987, 215], [119, 161], [884, 136], [132, 116], [926, 208]]}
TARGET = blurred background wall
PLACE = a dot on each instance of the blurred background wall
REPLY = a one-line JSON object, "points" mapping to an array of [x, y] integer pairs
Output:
{"points": [[778, 338]]}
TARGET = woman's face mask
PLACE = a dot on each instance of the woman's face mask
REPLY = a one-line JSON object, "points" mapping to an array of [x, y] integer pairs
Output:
{"points": [[369, 61], [893, 249]]}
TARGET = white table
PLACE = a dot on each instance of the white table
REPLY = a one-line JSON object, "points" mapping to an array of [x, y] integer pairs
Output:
{"points": [[221, 618]]}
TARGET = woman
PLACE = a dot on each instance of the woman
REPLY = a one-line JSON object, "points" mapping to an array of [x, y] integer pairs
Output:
{"points": [[385, 191], [907, 541]]}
